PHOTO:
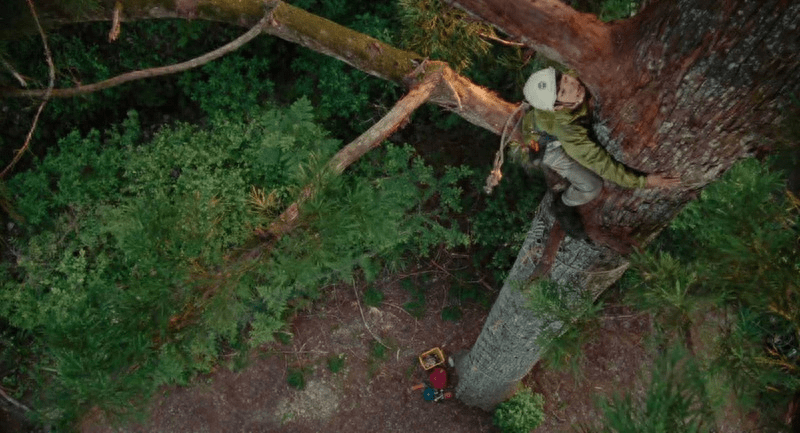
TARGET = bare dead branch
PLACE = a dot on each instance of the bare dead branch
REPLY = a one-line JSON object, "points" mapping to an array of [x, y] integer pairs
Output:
{"points": [[393, 120], [502, 41], [378, 339], [47, 94], [116, 20], [152, 72], [14, 73], [14, 402], [455, 95]]}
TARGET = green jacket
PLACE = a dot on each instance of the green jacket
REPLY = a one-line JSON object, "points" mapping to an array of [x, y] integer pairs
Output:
{"points": [[576, 143]]}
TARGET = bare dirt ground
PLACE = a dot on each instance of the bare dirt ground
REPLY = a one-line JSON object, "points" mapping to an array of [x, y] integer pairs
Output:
{"points": [[372, 392]]}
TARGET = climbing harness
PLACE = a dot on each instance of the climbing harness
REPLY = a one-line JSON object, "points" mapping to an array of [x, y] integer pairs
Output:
{"points": [[496, 174]]}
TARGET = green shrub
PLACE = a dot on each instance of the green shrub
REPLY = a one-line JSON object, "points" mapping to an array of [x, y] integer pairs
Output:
{"points": [[415, 308], [335, 363], [378, 353], [231, 85], [451, 313], [521, 413], [611, 10], [296, 377], [284, 337], [373, 297], [565, 352]]}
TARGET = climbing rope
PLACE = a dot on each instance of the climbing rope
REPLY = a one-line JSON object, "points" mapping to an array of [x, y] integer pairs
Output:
{"points": [[496, 174]]}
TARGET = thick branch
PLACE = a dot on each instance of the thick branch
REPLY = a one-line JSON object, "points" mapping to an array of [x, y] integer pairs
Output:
{"points": [[554, 29], [287, 22], [396, 118], [149, 73], [478, 105]]}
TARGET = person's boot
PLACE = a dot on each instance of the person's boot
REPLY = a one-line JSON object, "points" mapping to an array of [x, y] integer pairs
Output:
{"points": [[570, 219]]}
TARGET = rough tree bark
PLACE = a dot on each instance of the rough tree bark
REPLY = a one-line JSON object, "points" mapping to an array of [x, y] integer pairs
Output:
{"points": [[685, 87]]}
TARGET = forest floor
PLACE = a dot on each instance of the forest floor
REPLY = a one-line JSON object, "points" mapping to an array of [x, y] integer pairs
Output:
{"points": [[372, 392]]}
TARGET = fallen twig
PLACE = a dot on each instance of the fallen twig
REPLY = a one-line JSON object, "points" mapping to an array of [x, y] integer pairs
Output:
{"points": [[355, 291], [485, 284], [295, 352], [622, 316], [502, 41], [433, 262], [400, 308], [352, 352]]}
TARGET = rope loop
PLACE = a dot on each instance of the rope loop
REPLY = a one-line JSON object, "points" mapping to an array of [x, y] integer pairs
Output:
{"points": [[497, 174]]}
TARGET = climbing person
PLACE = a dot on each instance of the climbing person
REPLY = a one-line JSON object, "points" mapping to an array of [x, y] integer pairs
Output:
{"points": [[553, 130]]}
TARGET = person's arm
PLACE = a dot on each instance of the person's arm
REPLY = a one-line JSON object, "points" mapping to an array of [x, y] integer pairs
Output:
{"points": [[576, 143], [524, 134]]}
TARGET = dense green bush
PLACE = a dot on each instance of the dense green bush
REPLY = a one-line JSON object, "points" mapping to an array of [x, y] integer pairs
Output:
{"points": [[126, 273], [499, 228], [611, 10], [451, 313], [83, 55], [346, 100], [232, 84], [373, 297], [297, 377], [336, 363], [521, 413]]}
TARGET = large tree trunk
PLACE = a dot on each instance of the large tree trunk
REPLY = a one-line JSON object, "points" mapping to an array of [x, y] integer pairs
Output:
{"points": [[514, 334], [682, 88]]}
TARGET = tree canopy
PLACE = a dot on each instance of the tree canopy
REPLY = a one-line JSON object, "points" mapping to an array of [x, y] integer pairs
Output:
{"points": [[139, 242]]}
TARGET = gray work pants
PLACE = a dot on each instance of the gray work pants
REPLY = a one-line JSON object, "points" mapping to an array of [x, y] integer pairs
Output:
{"points": [[585, 185]]}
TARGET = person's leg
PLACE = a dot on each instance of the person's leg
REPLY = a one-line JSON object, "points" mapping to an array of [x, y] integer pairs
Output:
{"points": [[569, 218], [585, 185]]}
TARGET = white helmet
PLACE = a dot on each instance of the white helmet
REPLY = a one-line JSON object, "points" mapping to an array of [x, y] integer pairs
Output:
{"points": [[540, 89]]}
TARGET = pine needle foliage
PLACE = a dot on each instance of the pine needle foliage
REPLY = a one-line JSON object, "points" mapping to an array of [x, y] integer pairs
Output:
{"points": [[125, 273], [675, 400], [734, 254], [558, 303], [442, 32], [569, 317]]}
